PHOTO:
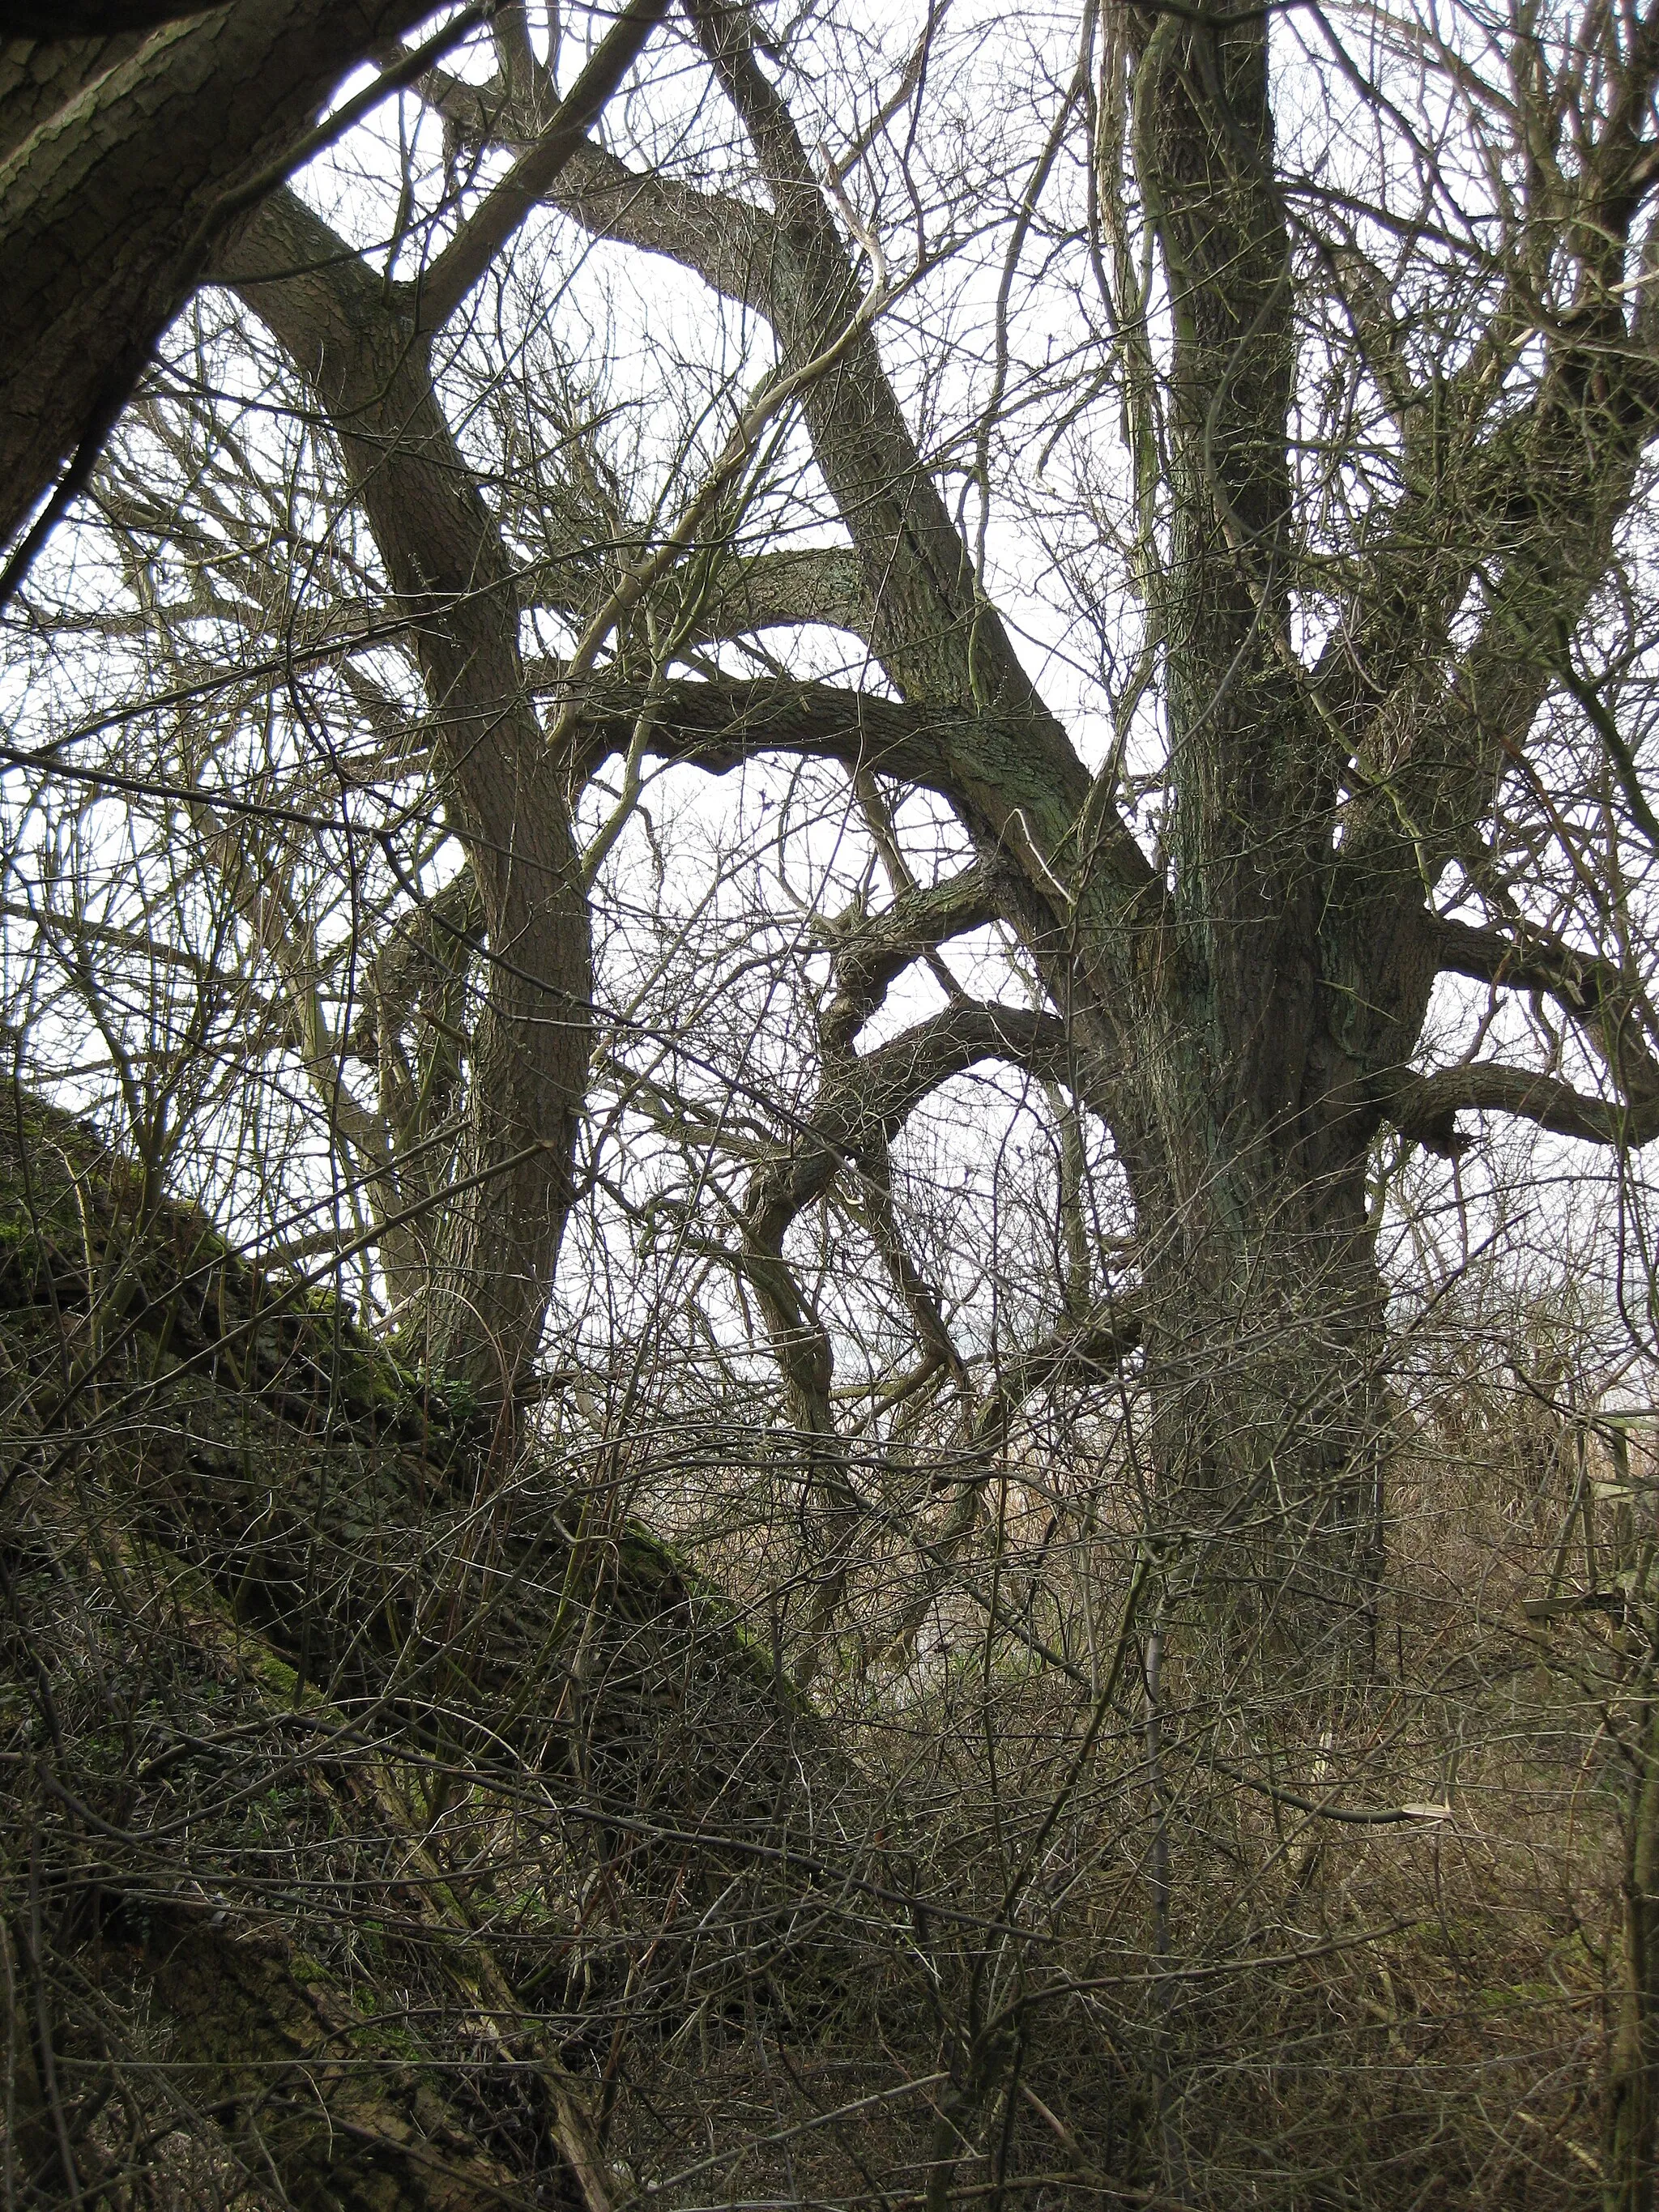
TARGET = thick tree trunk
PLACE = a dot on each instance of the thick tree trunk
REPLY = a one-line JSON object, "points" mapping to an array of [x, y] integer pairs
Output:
{"points": [[304, 2084], [1265, 1368], [222, 1491], [1250, 1090], [118, 155]]}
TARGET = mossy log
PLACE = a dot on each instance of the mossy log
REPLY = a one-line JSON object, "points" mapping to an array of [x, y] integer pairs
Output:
{"points": [[352, 1740]]}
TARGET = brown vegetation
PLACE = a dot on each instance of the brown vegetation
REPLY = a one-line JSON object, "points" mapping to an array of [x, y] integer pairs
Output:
{"points": [[838, 833]]}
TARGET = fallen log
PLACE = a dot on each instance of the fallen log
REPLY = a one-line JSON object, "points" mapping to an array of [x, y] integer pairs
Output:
{"points": [[361, 1761]]}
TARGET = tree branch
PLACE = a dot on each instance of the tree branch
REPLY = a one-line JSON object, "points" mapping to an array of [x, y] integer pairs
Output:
{"points": [[442, 287], [873, 953], [873, 1100], [1606, 1003], [1424, 1108], [720, 722]]}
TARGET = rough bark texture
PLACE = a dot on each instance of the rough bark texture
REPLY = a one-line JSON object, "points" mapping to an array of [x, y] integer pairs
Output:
{"points": [[62, 20], [1247, 1130], [328, 1611], [499, 1237], [118, 155]]}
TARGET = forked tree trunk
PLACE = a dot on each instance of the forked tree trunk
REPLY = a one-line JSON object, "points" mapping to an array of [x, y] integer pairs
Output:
{"points": [[1251, 1097]]}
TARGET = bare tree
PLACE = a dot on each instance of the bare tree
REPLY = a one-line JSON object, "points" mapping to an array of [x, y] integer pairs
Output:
{"points": [[959, 841], [1348, 664]]}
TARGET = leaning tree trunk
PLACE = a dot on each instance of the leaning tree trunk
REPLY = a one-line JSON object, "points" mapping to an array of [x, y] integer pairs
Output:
{"points": [[503, 1222], [121, 160], [214, 1490]]}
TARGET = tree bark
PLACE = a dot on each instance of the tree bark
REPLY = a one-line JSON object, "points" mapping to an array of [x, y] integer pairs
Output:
{"points": [[121, 155], [528, 1072], [1630, 2160], [1249, 1120], [226, 1486]]}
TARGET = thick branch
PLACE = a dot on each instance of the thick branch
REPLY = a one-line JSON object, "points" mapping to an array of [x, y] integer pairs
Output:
{"points": [[875, 954], [1461, 498], [731, 243], [863, 1105], [464, 261], [875, 1098], [444, 555], [108, 207], [1424, 1108], [817, 585], [1532, 510], [720, 722], [811, 584], [1596, 994]]}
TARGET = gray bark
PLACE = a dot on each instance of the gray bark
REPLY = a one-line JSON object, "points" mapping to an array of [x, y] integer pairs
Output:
{"points": [[444, 557]]}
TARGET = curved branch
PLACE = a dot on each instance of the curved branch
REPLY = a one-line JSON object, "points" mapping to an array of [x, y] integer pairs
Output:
{"points": [[879, 1092], [863, 1104], [860, 1111], [1602, 998], [1584, 983], [873, 954], [719, 723], [729, 242], [930, 623], [1425, 1108]]}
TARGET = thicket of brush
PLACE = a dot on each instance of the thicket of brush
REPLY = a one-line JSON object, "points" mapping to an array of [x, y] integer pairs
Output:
{"points": [[393, 1820]]}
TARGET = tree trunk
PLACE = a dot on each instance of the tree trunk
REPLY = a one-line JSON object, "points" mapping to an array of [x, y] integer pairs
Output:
{"points": [[220, 1489], [1269, 1421], [1632, 2130], [1280, 995], [118, 155], [527, 1079], [304, 2085]]}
